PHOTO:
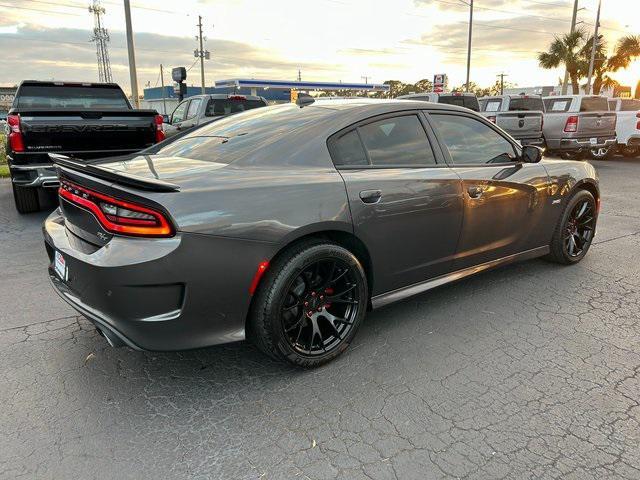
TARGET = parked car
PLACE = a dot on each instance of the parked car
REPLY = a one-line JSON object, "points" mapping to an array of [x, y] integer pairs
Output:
{"points": [[200, 109], [627, 125], [88, 120], [519, 115], [467, 100], [579, 125], [284, 225]]}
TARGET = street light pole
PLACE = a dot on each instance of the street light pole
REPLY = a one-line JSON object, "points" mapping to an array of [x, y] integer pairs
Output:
{"points": [[573, 27], [593, 50], [469, 44], [132, 55]]}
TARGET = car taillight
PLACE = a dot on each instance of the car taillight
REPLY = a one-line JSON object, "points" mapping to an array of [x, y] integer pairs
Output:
{"points": [[160, 136], [237, 98], [115, 215], [572, 124], [492, 119], [638, 123], [16, 142]]}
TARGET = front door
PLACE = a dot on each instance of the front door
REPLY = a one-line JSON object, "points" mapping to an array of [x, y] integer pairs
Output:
{"points": [[504, 198], [405, 204]]}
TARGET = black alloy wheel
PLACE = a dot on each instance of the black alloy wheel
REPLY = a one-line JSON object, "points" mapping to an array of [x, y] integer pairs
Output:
{"points": [[310, 303], [579, 228], [320, 307], [575, 230]]}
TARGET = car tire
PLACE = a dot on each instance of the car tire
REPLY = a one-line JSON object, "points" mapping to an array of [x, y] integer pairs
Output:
{"points": [[297, 315], [26, 199], [572, 155], [629, 152], [574, 223]]}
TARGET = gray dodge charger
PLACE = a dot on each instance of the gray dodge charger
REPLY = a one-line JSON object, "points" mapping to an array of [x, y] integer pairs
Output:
{"points": [[285, 225]]}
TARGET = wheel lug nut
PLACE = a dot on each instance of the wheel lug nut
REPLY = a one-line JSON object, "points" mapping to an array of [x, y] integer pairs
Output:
{"points": [[306, 304], [313, 294], [319, 309]]}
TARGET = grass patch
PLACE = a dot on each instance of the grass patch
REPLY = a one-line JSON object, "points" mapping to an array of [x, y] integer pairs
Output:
{"points": [[4, 168]]}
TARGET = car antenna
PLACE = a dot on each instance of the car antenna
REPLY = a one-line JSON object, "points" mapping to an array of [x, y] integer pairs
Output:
{"points": [[304, 99]]}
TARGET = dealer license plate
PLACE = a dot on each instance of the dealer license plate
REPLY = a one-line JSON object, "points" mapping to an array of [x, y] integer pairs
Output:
{"points": [[594, 141], [60, 266]]}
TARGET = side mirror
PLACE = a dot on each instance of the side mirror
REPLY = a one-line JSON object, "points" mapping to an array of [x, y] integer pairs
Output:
{"points": [[165, 118], [531, 154]]}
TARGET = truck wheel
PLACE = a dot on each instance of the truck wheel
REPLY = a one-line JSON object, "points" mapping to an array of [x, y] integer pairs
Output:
{"points": [[26, 199], [571, 155], [628, 151]]}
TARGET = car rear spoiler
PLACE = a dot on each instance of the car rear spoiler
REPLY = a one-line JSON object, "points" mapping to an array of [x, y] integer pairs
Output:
{"points": [[122, 178]]}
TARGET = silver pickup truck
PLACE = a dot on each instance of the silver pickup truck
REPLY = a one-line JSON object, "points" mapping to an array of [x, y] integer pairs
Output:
{"points": [[579, 125], [200, 109], [461, 99], [519, 115]]}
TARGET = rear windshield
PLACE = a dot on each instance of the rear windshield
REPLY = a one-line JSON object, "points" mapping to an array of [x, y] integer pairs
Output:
{"points": [[226, 140], [491, 105], [526, 103], [629, 105], [466, 101], [594, 104], [226, 106], [71, 97], [557, 104]]}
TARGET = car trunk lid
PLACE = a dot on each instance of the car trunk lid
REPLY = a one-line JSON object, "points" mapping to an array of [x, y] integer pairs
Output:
{"points": [[520, 124]]}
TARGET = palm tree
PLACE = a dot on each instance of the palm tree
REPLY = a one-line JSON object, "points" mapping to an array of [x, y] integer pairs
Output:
{"points": [[565, 51], [627, 48]]}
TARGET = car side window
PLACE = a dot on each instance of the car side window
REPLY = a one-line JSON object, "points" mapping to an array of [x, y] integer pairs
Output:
{"points": [[349, 151], [471, 142], [179, 113], [194, 106], [400, 141]]}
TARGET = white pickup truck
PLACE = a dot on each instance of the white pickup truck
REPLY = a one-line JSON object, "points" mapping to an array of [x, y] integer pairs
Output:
{"points": [[627, 125]]}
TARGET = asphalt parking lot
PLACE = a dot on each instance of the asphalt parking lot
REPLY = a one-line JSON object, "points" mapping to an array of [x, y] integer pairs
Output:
{"points": [[530, 371]]}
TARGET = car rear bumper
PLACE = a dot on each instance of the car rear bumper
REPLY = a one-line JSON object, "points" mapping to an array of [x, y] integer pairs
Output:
{"points": [[569, 144], [184, 292]]}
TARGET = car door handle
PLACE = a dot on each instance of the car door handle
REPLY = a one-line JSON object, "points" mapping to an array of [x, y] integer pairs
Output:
{"points": [[475, 191], [370, 196]]}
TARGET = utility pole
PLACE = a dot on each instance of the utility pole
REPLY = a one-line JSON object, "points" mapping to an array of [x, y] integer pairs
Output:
{"points": [[365, 78], [593, 50], [132, 55], [299, 75], [502, 75], [201, 53], [469, 44], [573, 27], [164, 101]]}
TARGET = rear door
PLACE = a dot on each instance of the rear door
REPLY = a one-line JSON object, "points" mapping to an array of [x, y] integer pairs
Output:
{"points": [[504, 199], [406, 203]]}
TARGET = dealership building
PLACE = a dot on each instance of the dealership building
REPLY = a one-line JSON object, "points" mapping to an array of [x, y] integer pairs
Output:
{"points": [[165, 99]]}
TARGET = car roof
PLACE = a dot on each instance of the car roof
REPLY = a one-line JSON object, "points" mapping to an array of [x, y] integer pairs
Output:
{"points": [[222, 96], [384, 105]]}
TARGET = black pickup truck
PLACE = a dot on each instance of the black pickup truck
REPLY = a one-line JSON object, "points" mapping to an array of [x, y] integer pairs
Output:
{"points": [[79, 120]]}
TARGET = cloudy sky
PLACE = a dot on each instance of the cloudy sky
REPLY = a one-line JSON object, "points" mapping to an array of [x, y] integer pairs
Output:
{"points": [[328, 40]]}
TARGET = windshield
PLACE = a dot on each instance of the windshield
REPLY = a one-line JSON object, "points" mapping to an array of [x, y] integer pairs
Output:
{"points": [[226, 106], [71, 97], [629, 105], [466, 101], [526, 103], [230, 138], [594, 104]]}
